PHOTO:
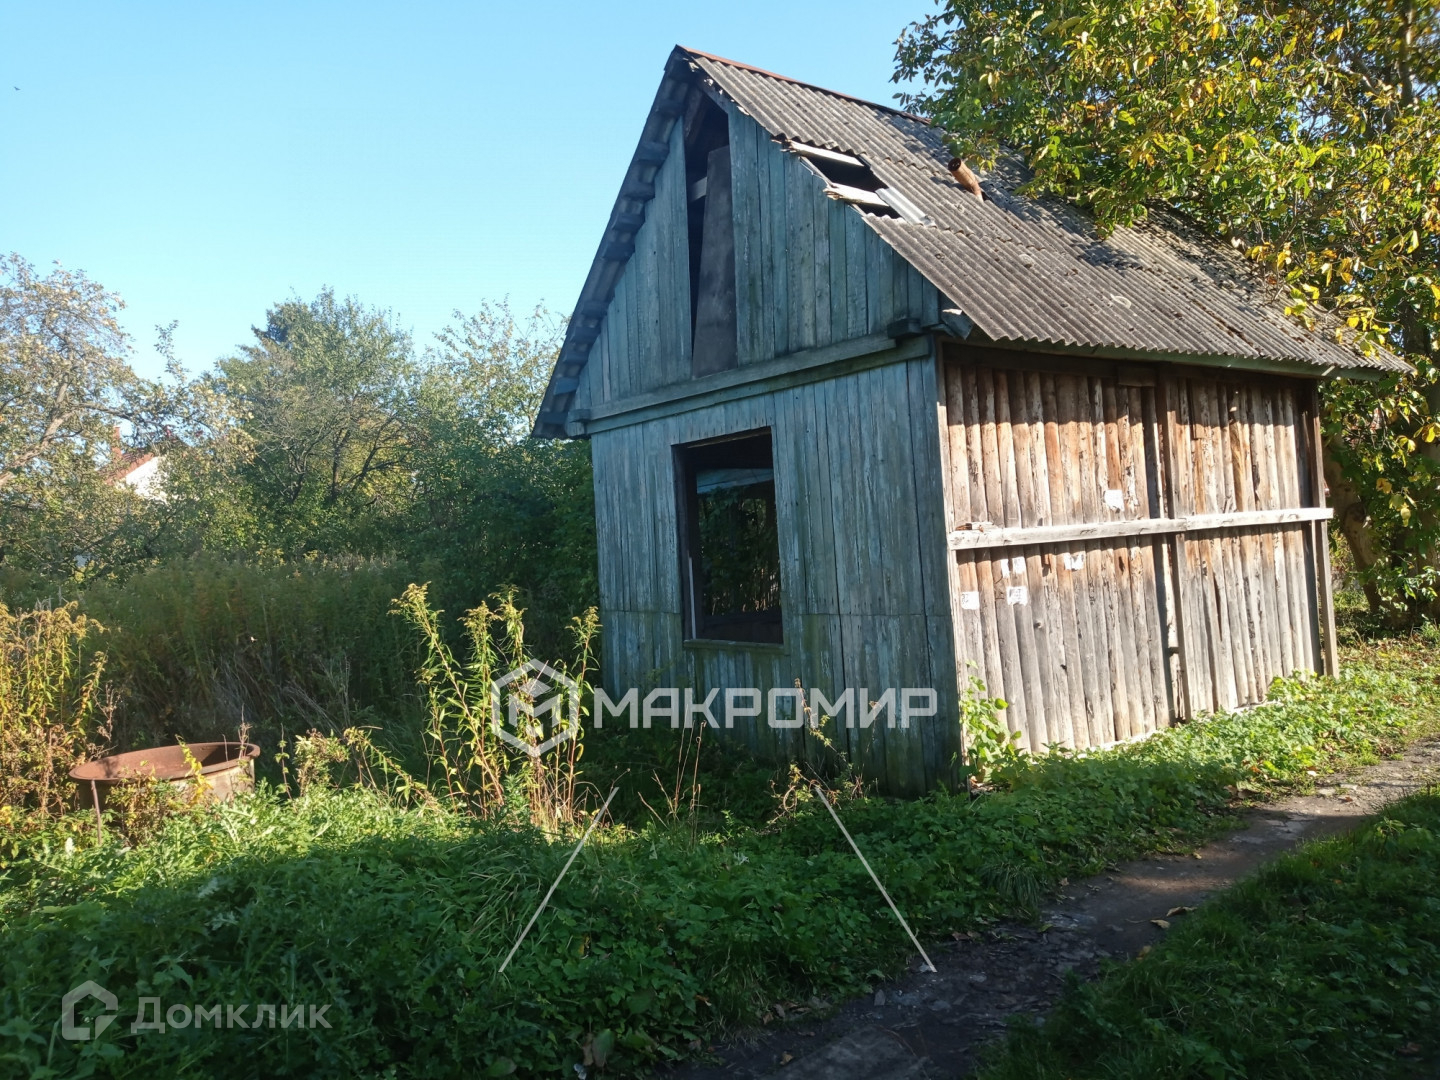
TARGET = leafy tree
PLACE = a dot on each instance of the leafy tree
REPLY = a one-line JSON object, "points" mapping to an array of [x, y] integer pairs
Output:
{"points": [[1307, 134], [493, 506], [325, 401], [70, 404]]}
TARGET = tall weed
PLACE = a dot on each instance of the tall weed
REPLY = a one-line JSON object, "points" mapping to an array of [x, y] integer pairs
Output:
{"points": [[201, 647], [53, 710], [474, 769]]}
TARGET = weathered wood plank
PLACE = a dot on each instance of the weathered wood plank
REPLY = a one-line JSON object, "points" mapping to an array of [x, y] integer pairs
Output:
{"points": [[1125, 677], [1176, 489], [1029, 627], [1325, 594], [1299, 543], [802, 188], [1095, 647], [975, 539], [778, 241], [1059, 436], [857, 302], [1040, 406]]}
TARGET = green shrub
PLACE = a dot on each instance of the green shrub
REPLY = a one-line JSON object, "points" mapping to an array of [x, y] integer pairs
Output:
{"points": [[52, 710]]}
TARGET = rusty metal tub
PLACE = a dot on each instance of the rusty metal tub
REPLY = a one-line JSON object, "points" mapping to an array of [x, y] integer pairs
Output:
{"points": [[228, 768]]}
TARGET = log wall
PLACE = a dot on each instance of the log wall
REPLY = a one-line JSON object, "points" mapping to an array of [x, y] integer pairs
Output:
{"points": [[1102, 581]]}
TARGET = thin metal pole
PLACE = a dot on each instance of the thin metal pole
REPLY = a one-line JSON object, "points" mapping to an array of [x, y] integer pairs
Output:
{"points": [[588, 830], [95, 799], [896, 910]]}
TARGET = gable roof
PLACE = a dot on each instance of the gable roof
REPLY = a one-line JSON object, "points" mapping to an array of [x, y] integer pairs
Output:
{"points": [[1023, 271]]}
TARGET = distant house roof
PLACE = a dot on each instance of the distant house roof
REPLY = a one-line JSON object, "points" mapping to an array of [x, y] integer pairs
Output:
{"points": [[138, 470], [1024, 271]]}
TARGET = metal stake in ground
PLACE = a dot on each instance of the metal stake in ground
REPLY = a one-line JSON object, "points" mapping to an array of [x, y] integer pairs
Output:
{"points": [[588, 830], [900, 918]]}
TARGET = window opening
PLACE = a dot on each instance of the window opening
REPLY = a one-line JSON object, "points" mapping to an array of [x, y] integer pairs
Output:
{"points": [[851, 180], [729, 539]]}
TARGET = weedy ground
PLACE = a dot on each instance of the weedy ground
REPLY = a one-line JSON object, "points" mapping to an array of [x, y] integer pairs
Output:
{"points": [[1325, 964], [664, 932]]}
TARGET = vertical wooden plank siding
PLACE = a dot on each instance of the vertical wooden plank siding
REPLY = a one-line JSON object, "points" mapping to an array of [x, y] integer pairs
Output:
{"points": [[865, 584], [1084, 656]]}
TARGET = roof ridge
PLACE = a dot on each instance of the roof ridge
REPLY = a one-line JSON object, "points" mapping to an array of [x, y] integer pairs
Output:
{"points": [[800, 82]]}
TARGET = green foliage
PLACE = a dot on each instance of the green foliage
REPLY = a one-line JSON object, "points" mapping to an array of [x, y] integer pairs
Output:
{"points": [[327, 438], [1322, 965], [200, 647], [740, 549], [325, 400], [52, 711], [1308, 135], [477, 772], [493, 507], [399, 918], [988, 744], [72, 407]]}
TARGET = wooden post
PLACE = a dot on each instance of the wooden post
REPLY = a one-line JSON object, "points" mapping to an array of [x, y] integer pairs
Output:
{"points": [[1322, 542], [1180, 571]]}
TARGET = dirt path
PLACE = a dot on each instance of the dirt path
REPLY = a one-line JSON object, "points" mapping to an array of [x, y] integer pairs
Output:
{"points": [[932, 1024]]}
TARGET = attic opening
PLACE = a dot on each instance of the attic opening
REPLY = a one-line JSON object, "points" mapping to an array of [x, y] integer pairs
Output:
{"points": [[712, 237], [847, 178], [729, 539]]}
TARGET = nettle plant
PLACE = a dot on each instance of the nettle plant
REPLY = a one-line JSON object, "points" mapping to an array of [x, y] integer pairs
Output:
{"points": [[989, 744]]}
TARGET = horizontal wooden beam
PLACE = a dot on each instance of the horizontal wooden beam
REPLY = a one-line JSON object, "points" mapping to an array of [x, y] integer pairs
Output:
{"points": [[991, 537], [617, 249], [779, 373]]}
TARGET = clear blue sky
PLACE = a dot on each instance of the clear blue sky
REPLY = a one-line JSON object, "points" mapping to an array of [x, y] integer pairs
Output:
{"points": [[207, 160]]}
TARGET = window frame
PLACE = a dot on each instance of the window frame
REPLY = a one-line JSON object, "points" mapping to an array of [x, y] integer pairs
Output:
{"points": [[687, 506]]}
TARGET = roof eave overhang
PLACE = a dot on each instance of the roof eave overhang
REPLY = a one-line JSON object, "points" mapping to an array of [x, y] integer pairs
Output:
{"points": [[1265, 365]]}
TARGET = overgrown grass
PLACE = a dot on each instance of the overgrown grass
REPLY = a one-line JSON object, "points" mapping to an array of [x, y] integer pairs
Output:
{"points": [[1325, 964], [399, 919], [200, 647], [196, 648]]}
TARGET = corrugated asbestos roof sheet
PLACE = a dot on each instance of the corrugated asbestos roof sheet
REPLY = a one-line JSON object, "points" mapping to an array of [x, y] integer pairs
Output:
{"points": [[1035, 271], [1024, 271]]}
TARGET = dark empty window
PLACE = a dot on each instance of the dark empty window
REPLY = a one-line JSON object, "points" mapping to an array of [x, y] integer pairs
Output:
{"points": [[729, 544]]}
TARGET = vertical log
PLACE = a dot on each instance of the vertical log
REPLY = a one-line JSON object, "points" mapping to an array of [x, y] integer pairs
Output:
{"points": [[1176, 505], [1322, 539]]}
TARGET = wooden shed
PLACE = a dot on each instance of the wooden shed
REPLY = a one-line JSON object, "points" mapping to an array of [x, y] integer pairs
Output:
{"points": [[855, 427]]}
